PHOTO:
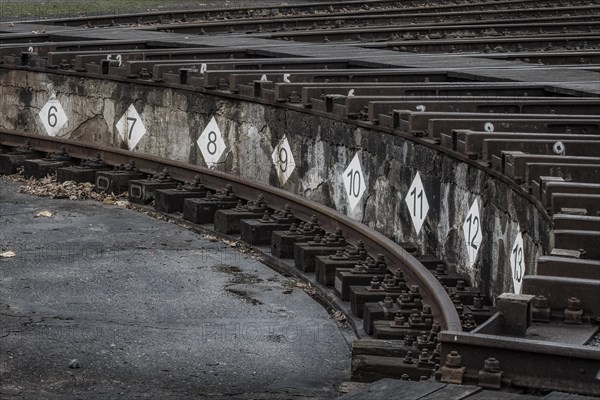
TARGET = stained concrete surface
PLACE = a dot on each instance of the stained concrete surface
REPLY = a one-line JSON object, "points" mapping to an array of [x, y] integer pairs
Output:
{"points": [[149, 310], [322, 149]]}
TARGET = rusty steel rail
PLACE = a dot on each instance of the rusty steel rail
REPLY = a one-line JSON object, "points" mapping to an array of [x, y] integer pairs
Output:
{"points": [[302, 208], [538, 118], [331, 8], [529, 363]]}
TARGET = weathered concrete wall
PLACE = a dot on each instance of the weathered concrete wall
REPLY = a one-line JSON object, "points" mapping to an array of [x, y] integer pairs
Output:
{"points": [[322, 149]]}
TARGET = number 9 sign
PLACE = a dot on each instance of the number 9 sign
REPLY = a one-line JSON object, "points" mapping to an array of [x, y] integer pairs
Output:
{"points": [[283, 160]]}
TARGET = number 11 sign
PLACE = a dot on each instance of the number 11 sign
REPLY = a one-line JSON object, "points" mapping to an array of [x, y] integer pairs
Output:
{"points": [[417, 203]]}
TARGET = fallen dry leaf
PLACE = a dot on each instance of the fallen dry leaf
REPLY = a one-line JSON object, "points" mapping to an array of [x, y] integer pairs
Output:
{"points": [[8, 254], [44, 213], [339, 316], [48, 187]]}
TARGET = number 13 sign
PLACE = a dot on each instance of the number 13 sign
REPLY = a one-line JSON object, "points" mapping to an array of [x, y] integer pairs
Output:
{"points": [[517, 261]]}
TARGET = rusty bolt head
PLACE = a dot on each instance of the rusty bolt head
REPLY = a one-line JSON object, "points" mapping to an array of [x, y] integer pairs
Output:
{"points": [[388, 302], [540, 301], [574, 304], [404, 377], [375, 283], [266, 216], [491, 365], [408, 359], [453, 359]]}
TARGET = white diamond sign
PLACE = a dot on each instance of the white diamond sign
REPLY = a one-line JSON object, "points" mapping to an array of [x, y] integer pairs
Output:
{"points": [[211, 143], [283, 159], [417, 203], [131, 127], [517, 262], [354, 182], [53, 116], [472, 231]]}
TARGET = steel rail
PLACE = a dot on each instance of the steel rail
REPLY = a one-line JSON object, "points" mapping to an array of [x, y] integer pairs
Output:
{"points": [[375, 243]]}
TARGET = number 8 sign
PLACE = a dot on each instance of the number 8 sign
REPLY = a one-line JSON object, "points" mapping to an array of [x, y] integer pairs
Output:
{"points": [[211, 143]]}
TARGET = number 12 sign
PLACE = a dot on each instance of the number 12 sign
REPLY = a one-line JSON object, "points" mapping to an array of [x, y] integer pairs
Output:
{"points": [[472, 231]]}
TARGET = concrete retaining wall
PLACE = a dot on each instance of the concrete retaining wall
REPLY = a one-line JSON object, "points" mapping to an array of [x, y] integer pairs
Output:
{"points": [[322, 149]]}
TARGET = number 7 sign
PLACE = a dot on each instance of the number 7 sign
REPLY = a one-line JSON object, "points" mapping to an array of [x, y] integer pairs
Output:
{"points": [[131, 127]]}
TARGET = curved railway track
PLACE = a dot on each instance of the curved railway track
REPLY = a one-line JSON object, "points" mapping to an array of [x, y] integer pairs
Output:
{"points": [[472, 115]]}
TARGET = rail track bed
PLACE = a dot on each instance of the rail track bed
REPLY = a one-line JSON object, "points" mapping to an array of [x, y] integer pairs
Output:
{"points": [[432, 169]]}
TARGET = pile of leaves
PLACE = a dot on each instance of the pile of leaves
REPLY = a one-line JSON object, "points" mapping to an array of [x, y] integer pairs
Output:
{"points": [[49, 187]]}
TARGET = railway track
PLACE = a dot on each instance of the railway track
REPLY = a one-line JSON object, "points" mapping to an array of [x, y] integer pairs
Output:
{"points": [[444, 194]]}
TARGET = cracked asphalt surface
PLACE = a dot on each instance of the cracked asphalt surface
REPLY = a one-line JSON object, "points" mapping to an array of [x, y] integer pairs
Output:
{"points": [[145, 309]]}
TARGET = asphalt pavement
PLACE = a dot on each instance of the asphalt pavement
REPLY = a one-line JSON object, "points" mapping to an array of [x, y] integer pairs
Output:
{"points": [[103, 302]]}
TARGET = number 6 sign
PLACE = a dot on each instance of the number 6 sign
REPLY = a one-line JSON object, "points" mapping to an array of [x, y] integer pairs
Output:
{"points": [[53, 116]]}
